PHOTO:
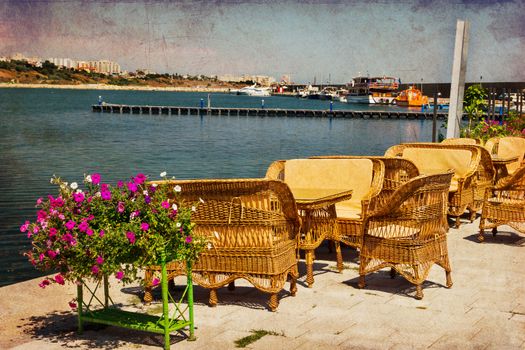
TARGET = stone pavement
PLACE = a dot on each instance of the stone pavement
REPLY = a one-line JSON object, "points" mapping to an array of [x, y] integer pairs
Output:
{"points": [[484, 309]]}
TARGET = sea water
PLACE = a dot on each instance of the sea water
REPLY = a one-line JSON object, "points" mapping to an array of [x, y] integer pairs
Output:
{"points": [[46, 132]]}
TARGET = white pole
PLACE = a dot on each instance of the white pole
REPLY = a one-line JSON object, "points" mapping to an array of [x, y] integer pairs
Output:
{"points": [[457, 87]]}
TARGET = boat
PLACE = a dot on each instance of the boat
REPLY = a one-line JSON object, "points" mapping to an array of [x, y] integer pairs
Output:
{"points": [[372, 90], [327, 93], [254, 91], [411, 97]]}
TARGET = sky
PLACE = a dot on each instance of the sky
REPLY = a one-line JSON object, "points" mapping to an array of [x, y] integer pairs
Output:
{"points": [[329, 41]]}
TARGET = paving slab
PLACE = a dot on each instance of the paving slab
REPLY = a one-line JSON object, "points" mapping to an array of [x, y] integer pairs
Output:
{"points": [[484, 309]]}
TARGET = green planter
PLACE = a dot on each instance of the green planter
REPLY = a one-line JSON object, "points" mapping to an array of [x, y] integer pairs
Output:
{"points": [[104, 312]]}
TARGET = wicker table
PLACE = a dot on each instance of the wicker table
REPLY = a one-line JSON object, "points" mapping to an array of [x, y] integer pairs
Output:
{"points": [[500, 165], [317, 209]]}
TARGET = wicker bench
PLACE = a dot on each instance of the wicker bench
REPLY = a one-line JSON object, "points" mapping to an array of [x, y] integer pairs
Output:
{"points": [[435, 158], [252, 225]]}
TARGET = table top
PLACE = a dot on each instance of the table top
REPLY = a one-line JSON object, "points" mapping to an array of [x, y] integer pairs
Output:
{"points": [[307, 197]]}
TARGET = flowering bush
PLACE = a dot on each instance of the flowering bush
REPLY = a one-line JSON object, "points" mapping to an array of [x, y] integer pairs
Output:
{"points": [[513, 125], [109, 230]]}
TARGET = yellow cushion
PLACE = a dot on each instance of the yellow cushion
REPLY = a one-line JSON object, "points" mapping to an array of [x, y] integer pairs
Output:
{"points": [[432, 161], [510, 147], [332, 174]]}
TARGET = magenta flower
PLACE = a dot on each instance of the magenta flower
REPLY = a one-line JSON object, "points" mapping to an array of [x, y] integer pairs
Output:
{"points": [[120, 207], [95, 178], [106, 195], [165, 204], [139, 179], [41, 215], [144, 226], [69, 238], [100, 260], [39, 201], [41, 256], [73, 305], [131, 237], [132, 187], [24, 227], [95, 269], [59, 279], [70, 224], [101, 233], [78, 197], [90, 217], [120, 183], [155, 282], [52, 232], [135, 214], [147, 199], [188, 239], [51, 253], [89, 232], [43, 284], [119, 275], [83, 226]]}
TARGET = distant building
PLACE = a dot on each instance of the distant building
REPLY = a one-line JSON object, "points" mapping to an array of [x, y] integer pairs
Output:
{"points": [[259, 79], [63, 62], [105, 67]]}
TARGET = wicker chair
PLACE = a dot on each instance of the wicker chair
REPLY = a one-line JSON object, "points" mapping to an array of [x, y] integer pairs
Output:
{"points": [[461, 141], [252, 225], [409, 232], [504, 204], [508, 146], [396, 172], [362, 175], [432, 158]]}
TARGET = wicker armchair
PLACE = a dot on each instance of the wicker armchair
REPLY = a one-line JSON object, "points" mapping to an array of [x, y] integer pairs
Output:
{"points": [[252, 225], [504, 204], [508, 146], [362, 175], [409, 232], [433, 158], [396, 172]]}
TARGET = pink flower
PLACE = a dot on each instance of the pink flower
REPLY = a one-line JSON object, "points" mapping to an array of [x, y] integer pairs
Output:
{"points": [[144, 226], [89, 232], [43, 284], [155, 282], [132, 187], [41, 256], [52, 232], [95, 178], [119, 275], [130, 236], [39, 201], [90, 217], [101, 233], [100, 260], [51, 254], [188, 239], [70, 224], [139, 179], [120, 183], [120, 207], [83, 226], [59, 279], [41, 215], [73, 305], [106, 195], [135, 214], [24, 227], [165, 204], [78, 197], [95, 269]]}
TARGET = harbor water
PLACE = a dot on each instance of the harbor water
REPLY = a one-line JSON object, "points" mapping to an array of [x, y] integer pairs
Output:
{"points": [[48, 132]]}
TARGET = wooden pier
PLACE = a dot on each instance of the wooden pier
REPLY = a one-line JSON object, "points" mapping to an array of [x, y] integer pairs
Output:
{"points": [[263, 112]]}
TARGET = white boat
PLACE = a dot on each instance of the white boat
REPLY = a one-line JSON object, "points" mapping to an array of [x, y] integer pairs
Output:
{"points": [[374, 90], [254, 91]]}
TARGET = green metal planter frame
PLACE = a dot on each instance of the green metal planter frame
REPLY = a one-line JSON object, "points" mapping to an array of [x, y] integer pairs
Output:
{"points": [[105, 312]]}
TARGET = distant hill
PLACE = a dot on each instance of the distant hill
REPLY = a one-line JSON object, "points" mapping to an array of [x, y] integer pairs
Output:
{"points": [[22, 72]]}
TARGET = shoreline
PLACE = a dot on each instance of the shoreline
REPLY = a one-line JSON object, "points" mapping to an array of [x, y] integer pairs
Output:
{"points": [[112, 87]]}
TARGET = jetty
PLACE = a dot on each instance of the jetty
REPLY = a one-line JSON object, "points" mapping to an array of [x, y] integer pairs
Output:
{"points": [[265, 112]]}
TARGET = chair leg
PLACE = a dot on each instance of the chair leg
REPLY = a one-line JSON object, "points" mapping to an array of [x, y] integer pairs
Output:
{"points": [[494, 231], [231, 286], [472, 216], [309, 255], [458, 222], [213, 297], [393, 273], [419, 292], [480, 235], [449, 279], [293, 285], [148, 297], [361, 283], [273, 303], [339, 256]]}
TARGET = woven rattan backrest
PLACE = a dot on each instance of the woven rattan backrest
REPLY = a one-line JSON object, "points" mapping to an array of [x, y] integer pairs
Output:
{"points": [[515, 182], [241, 212], [460, 141], [510, 146]]}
